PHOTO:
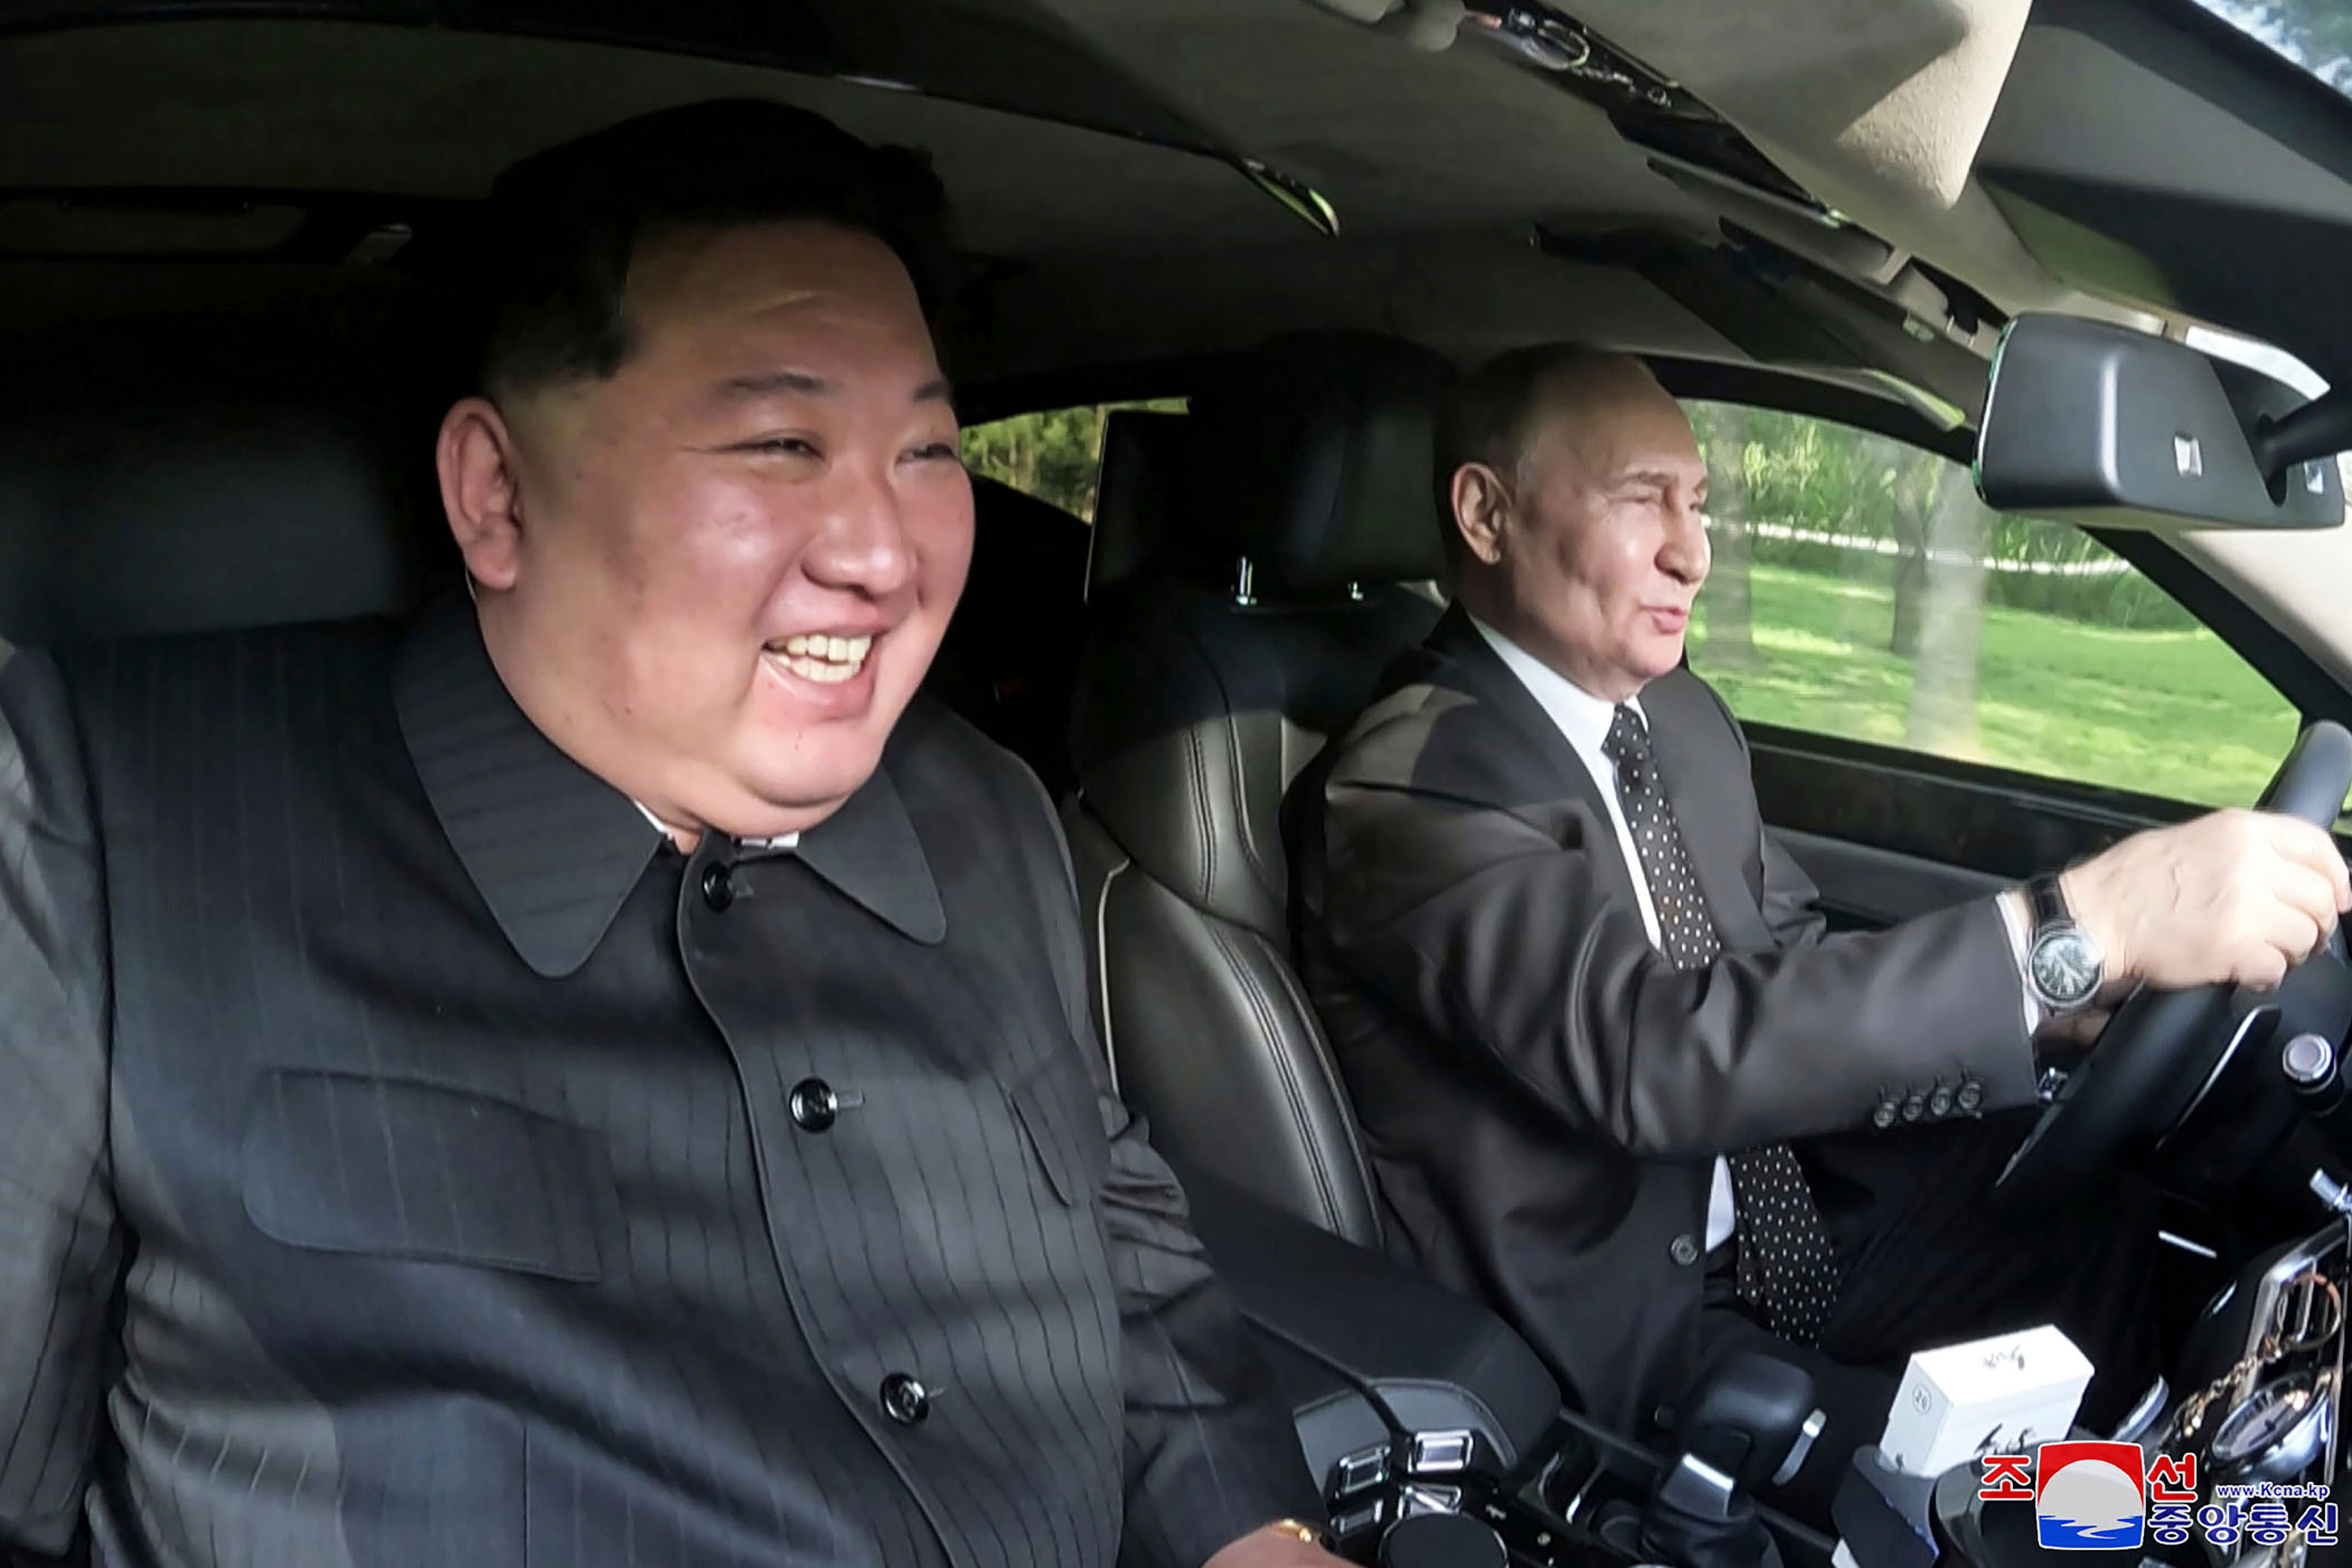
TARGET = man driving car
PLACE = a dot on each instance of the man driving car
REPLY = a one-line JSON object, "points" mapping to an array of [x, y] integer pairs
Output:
{"points": [[1584, 1005], [601, 1073]]}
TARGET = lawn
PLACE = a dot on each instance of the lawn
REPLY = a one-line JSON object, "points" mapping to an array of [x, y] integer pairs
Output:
{"points": [[2172, 713]]}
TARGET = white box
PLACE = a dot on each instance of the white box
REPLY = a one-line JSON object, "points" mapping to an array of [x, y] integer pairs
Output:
{"points": [[1997, 1395]]}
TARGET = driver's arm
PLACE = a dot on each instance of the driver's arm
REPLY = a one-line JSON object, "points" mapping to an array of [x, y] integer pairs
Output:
{"points": [[1792, 903], [1793, 909], [60, 1254], [1486, 922]]}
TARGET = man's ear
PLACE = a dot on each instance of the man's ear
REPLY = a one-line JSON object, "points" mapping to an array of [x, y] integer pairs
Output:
{"points": [[1482, 506], [480, 491]]}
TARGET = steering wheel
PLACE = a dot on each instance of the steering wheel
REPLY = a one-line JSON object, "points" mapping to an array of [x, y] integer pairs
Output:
{"points": [[2157, 1053]]}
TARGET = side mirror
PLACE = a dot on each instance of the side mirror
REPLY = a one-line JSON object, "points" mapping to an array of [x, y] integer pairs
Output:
{"points": [[2096, 423]]}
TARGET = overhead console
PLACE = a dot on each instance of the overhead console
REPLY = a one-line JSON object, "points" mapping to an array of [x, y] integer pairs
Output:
{"points": [[1648, 109]]}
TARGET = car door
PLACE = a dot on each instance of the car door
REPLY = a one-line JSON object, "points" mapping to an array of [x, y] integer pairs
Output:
{"points": [[1940, 699]]}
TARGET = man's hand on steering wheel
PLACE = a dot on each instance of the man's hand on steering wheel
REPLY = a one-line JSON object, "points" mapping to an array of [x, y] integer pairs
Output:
{"points": [[2236, 898], [2183, 917]]}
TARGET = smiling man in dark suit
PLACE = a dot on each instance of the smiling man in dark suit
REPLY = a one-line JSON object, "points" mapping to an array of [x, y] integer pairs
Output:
{"points": [[1583, 1003], [602, 1073]]}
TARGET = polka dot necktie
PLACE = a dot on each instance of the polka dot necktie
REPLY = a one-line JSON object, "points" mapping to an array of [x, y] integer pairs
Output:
{"points": [[1786, 1266]]}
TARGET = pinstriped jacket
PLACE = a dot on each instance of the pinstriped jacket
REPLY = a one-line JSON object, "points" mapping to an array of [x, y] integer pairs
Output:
{"points": [[410, 1158]]}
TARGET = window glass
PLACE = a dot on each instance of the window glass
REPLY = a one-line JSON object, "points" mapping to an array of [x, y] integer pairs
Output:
{"points": [[2315, 34], [1054, 454], [1861, 590]]}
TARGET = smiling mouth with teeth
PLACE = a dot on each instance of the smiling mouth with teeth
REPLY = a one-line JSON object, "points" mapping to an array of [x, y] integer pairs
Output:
{"points": [[827, 660]]}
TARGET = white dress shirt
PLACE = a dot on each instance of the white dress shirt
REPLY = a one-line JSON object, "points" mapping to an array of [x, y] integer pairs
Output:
{"points": [[1584, 719]]}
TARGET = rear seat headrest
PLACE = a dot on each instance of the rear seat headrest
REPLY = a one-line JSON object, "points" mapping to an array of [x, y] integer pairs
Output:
{"points": [[1315, 460]]}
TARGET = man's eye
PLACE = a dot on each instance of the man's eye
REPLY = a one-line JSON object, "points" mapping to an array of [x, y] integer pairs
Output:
{"points": [[937, 451], [781, 446]]}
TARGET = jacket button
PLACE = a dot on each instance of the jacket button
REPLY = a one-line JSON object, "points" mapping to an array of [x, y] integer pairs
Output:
{"points": [[1682, 1250], [1970, 1097], [814, 1105], [1915, 1107], [718, 886], [1884, 1116], [1939, 1104], [905, 1400]]}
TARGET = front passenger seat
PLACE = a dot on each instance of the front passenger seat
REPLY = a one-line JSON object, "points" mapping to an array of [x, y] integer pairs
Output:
{"points": [[1210, 680]]}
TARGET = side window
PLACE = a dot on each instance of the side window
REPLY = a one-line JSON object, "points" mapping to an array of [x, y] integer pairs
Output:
{"points": [[1861, 590], [1053, 455]]}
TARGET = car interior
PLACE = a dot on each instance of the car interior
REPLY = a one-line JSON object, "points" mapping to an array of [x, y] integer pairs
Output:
{"points": [[232, 246]]}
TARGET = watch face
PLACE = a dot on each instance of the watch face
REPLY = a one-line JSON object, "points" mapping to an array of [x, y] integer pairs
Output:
{"points": [[2066, 965]]}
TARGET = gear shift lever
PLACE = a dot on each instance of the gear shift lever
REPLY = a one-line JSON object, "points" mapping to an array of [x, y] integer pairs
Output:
{"points": [[1750, 1420]]}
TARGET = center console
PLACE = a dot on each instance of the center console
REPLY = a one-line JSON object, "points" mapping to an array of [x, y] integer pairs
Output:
{"points": [[1414, 1405]]}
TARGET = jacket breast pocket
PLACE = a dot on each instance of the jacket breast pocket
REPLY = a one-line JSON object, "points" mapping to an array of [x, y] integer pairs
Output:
{"points": [[1058, 1113], [346, 1162]]}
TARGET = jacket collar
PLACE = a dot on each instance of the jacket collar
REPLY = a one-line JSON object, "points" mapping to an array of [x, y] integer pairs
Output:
{"points": [[1474, 667], [1585, 718], [554, 850]]}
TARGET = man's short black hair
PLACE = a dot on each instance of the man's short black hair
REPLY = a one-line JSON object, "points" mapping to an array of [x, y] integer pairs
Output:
{"points": [[565, 223], [1485, 417]]}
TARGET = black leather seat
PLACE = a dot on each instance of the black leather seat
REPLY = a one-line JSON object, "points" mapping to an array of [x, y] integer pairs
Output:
{"points": [[191, 476], [1142, 504], [1007, 661], [1214, 672]]}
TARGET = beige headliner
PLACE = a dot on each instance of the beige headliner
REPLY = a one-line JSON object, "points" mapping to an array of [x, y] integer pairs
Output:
{"points": [[1438, 165]]}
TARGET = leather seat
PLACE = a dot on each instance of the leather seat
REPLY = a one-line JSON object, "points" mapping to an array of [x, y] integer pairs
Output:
{"points": [[1012, 647], [1255, 627], [1142, 492], [182, 475]]}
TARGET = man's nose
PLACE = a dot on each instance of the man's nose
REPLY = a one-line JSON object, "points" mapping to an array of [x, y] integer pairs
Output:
{"points": [[1686, 552], [862, 546]]}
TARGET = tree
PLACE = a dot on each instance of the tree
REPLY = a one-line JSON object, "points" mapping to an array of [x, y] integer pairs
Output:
{"points": [[1918, 482], [1943, 716], [1054, 455], [1730, 640]]}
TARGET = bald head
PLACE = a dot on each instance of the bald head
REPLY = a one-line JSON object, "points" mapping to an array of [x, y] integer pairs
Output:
{"points": [[1570, 487]]}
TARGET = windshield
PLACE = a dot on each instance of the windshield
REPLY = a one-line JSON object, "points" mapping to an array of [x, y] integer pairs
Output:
{"points": [[2315, 34]]}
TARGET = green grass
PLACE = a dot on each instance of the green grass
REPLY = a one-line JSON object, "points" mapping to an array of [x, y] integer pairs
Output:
{"points": [[2171, 713]]}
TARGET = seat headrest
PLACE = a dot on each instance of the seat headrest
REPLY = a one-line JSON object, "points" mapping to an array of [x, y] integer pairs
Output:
{"points": [[1315, 459], [1141, 516], [218, 481]]}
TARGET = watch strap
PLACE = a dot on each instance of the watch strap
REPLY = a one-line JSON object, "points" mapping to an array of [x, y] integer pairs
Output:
{"points": [[2047, 899]]}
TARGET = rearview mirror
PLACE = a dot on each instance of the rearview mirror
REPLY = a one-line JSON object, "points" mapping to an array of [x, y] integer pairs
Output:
{"points": [[2101, 423]]}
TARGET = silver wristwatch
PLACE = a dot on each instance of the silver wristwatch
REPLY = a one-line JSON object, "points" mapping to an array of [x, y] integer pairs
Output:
{"points": [[2063, 966]]}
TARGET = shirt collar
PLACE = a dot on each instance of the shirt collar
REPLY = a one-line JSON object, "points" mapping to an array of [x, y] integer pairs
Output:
{"points": [[1583, 717], [554, 850], [779, 844]]}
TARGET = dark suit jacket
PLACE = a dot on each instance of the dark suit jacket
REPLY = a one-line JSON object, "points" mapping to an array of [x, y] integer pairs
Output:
{"points": [[408, 1157], [1543, 1093]]}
